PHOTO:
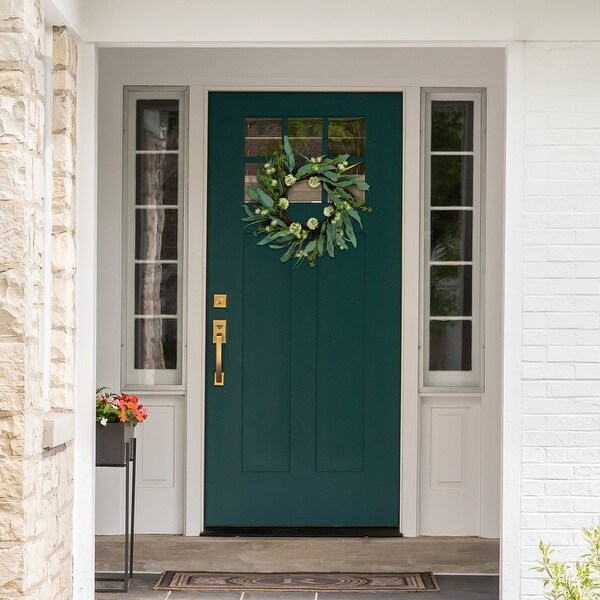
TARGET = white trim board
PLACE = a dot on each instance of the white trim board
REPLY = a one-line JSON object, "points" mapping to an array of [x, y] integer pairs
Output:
{"points": [[338, 21]]}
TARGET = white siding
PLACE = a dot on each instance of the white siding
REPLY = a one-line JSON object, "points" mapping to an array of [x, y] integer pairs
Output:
{"points": [[561, 301]]}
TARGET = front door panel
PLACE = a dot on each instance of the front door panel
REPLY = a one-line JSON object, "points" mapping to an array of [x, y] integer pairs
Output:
{"points": [[305, 430]]}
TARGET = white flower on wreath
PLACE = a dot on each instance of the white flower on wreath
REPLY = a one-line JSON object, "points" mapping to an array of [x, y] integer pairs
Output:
{"points": [[264, 212], [289, 180], [257, 211], [312, 223], [328, 211], [337, 217], [296, 229], [267, 166], [274, 182], [283, 203], [314, 182], [273, 223]]}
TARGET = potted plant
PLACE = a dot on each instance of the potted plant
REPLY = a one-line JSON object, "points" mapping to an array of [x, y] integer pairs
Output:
{"points": [[116, 416]]}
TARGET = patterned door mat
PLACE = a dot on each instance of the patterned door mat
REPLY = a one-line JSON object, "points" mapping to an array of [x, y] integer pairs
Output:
{"points": [[297, 582]]}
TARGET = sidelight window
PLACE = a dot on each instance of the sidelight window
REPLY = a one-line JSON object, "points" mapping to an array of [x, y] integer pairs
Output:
{"points": [[452, 248], [153, 236]]}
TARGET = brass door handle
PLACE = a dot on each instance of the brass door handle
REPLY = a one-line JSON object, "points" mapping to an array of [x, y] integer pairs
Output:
{"points": [[219, 338]]}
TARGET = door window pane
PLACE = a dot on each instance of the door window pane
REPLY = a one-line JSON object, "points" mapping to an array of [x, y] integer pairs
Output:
{"points": [[451, 180], [263, 136], [452, 125], [302, 192], [156, 232], [250, 170], [306, 136], [450, 345], [347, 136], [157, 125], [451, 235]]}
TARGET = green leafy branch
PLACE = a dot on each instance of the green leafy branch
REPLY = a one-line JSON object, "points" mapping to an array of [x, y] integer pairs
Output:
{"points": [[564, 583]]}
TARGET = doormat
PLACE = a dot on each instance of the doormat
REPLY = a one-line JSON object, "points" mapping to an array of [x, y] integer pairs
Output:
{"points": [[207, 581]]}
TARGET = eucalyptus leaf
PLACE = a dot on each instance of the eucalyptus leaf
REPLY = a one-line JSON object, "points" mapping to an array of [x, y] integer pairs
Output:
{"points": [[269, 238], [350, 233], [287, 255], [322, 168], [265, 200], [330, 239], [310, 246], [362, 185], [303, 170], [344, 194], [289, 153], [354, 214]]}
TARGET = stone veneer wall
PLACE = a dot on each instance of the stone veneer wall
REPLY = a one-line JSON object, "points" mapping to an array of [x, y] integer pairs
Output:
{"points": [[36, 483]]}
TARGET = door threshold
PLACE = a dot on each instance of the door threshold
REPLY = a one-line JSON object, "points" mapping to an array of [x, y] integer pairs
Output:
{"points": [[347, 532]]}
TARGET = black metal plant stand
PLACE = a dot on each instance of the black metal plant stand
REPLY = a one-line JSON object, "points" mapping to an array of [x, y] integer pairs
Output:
{"points": [[125, 578]]}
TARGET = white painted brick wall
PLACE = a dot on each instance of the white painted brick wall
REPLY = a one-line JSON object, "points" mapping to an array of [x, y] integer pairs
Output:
{"points": [[561, 303]]}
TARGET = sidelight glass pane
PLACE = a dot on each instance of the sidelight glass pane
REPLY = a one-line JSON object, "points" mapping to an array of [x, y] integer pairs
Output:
{"points": [[156, 289], [347, 136], [263, 136], [451, 235], [157, 126], [450, 291], [451, 180], [156, 233], [306, 136], [452, 125], [156, 179], [155, 345], [450, 345]]}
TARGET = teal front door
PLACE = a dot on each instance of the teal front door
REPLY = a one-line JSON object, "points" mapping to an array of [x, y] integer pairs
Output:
{"points": [[305, 430]]}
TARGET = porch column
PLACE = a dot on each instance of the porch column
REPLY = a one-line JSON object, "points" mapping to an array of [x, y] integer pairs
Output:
{"points": [[36, 349]]}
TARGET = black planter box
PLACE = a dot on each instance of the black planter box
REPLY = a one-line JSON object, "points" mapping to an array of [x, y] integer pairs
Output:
{"points": [[110, 443]]}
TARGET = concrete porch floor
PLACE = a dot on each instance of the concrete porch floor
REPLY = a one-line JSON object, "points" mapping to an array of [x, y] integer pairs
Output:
{"points": [[460, 563], [452, 587], [442, 555]]}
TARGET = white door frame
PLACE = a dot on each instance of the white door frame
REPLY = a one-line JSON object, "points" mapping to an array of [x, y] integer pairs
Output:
{"points": [[194, 519]]}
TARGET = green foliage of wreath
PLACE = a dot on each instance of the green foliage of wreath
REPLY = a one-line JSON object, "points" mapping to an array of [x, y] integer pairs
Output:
{"points": [[312, 239]]}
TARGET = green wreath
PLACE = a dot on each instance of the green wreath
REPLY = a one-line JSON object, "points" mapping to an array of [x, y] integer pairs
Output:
{"points": [[312, 239]]}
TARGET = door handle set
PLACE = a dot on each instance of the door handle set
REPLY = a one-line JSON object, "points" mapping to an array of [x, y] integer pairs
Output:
{"points": [[219, 338]]}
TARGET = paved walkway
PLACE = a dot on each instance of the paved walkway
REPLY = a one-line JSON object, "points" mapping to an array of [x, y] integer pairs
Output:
{"points": [[453, 587]]}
